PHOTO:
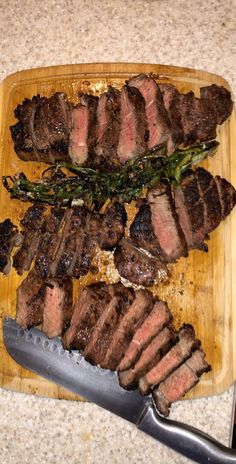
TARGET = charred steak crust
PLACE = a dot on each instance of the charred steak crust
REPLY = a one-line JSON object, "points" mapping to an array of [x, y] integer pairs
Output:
{"points": [[136, 266], [9, 239]]}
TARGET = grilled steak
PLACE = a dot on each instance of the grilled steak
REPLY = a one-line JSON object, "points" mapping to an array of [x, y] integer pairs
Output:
{"points": [[138, 267], [30, 300], [158, 318], [133, 318], [9, 239], [57, 307], [108, 126], [159, 128], [82, 137], [32, 223], [64, 241], [154, 351], [120, 125], [170, 98], [107, 324], [42, 132], [173, 221], [190, 209], [134, 129], [171, 360], [180, 381], [166, 223]]}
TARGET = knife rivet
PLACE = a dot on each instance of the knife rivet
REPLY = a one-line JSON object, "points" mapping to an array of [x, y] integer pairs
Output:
{"points": [[53, 347], [29, 337], [37, 340], [21, 333]]}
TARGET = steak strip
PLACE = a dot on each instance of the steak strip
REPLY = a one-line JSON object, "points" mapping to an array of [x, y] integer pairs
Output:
{"points": [[180, 382]]}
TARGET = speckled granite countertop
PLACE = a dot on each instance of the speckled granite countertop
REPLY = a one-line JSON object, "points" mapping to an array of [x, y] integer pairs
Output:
{"points": [[34, 33]]}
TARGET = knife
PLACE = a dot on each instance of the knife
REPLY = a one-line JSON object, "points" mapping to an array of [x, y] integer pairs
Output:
{"points": [[34, 351]]}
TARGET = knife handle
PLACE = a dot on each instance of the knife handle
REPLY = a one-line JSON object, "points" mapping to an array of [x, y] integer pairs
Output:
{"points": [[187, 440]]}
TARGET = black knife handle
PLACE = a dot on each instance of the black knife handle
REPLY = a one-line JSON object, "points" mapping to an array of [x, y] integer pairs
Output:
{"points": [[185, 439]]}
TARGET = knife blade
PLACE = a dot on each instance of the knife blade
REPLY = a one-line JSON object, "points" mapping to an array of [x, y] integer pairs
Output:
{"points": [[34, 351]]}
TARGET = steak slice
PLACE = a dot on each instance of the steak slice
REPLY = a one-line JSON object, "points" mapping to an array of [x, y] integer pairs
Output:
{"points": [[157, 117], [58, 307], [186, 107], [149, 357], [32, 224], [83, 134], [166, 223], [227, 195], [220, 100], [78, 148], [65, 255], [137, 266], [180, 382], [142, 232], [49, 241], [86, 312], [170, 98], [158, 318], [132, 319], [176, 356], [96, 349], [23, 131], [108, 124], [133, 130], [113, 226], [209, 192], [9, 239], [30, 301], [190, 209]]}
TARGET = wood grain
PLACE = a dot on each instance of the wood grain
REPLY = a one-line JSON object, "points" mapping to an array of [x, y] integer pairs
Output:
{"points": [[201, 290]]}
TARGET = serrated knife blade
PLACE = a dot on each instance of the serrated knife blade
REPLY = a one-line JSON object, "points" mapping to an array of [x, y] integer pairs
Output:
{"points": [[34, 351]]}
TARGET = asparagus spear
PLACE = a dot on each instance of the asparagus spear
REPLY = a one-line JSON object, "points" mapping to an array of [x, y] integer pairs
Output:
{"points": [[92, 188]]}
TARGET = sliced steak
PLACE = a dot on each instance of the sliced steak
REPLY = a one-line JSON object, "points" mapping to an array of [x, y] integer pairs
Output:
{"points": [[23, 131], [9, 239], [227, 195], [186, 107], [32, 223], [58, 307], [210, 195], [133, 130], [157, 117], [86, 312], [190, 209], [57, 112], [158, 318], [220, 100], [30, 301], [96, 349], [108, 124], [166, 223], [83, 133], [138, 267], [149, 357], [70, 259], [142, 232], [113, 226], [126, 328], [78, 147], [170, 98], [176, 356], [180, 382], [49, 241]]}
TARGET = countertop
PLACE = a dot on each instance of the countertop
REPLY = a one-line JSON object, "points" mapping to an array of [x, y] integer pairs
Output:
{"points": [[34, 33]]}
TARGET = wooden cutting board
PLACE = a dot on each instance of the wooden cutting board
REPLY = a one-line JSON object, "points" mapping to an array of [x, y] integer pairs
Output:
{"points": [[201, 290]]}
